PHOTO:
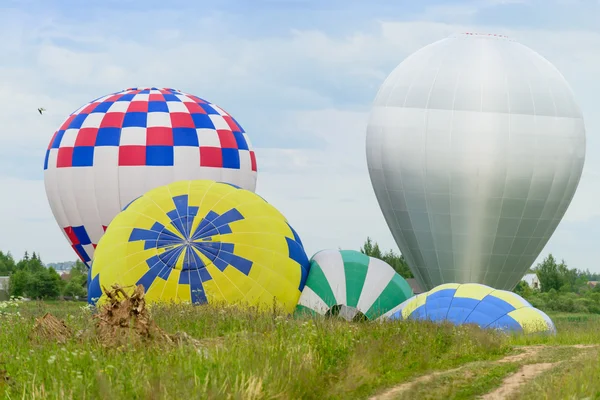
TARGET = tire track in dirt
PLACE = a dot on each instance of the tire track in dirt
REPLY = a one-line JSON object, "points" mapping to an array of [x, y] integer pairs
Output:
{"points": [[508, 387], [513, 382]]}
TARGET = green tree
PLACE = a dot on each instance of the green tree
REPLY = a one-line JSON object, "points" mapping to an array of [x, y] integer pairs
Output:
{"points": [[549, 274], [32, 279], [76, 287], [19, 282], [7, 264], [523, 289], [397, 262], [45, 284], [371, 249]]}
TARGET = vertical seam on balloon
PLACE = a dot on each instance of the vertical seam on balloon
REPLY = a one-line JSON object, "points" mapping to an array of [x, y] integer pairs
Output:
{"points": [[439, 270], [219, 252], [403, 190], [73, 172], [416, 272], [451, 301], [377, 284], [55, 182], [61, 206], [556, 114], [450, 174], [58, 186], [478, 206], [505, 174], [545, 234], [182, 254], [494, 321], [480, 301], [526, 200], [193, 258]]}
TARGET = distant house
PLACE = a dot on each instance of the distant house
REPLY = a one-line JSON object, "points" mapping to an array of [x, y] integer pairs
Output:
{"points": [[4, 283], [532, 280], [592, 284], [414, 285], [65, 276]]}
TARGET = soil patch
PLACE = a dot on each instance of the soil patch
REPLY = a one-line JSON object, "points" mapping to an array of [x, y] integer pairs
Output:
{"points": [[512, 383], [528, 351], [399, 389]]}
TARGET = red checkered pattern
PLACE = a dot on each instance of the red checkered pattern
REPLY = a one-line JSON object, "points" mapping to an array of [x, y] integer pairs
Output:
{"points": [[144, 126]]}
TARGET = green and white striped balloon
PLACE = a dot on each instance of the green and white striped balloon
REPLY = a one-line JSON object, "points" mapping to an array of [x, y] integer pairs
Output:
{"points": [[351, 285]]}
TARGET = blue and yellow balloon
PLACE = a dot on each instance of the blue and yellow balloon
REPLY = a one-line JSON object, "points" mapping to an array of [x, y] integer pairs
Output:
{"points": [[202, 241], [473, 303]]}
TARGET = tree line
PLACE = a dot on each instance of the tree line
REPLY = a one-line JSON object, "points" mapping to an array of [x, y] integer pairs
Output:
{"points": [[30, 278], [397, 261], [562, 288]]}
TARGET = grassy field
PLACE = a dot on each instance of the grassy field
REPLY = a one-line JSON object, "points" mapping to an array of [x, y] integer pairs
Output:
{"points": [[248, 355]]}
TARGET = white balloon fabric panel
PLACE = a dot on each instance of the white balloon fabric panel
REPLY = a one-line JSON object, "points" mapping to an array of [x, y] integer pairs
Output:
{"points": [[475, 148], [116, 148]]}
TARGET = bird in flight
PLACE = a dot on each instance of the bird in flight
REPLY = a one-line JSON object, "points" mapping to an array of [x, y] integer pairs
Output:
{"points": [[41, 110]]}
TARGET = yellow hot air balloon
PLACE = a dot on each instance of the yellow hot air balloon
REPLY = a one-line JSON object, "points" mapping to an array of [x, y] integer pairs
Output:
{"points": [[202, 241]]}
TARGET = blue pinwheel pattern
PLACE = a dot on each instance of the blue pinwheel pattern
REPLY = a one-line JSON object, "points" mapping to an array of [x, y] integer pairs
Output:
{"points": [[179, 240]]}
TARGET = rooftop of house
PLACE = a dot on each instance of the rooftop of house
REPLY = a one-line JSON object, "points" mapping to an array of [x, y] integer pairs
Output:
{"points": [[414, 285]]}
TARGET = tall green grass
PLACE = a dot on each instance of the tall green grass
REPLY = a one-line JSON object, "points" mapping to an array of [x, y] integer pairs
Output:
{"points": [[247, 354], [243, 354]]}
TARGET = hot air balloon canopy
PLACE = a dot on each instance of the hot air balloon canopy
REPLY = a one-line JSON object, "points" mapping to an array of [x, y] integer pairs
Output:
{"points": [[202, 241], [351, 285], [473, 303], [117, 147], [475, 147]]}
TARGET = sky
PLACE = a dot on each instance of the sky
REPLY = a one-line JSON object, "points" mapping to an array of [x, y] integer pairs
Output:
{"points": [[299, 75]]}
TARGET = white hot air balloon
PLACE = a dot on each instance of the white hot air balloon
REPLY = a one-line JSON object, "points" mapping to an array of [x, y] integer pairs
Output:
{"points": [[475, 147], [116, 148]]}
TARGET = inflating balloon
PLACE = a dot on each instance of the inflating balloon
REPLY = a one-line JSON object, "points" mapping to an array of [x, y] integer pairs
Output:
{"points": [[351, 285], [202, 241], [119, 146], [473, 303], [475, 148]]}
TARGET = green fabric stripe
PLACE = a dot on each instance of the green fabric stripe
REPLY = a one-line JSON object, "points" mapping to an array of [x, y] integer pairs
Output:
{"points": [[396, 291], [302, 310], [355, 267], [317, 281]]}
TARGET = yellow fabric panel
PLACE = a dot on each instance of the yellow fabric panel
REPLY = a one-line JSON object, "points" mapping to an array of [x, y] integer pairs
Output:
{"points": [[155, 292], [414, 303], [221, 287], [172, 290], [473, 291], [178, 188], [510, 297], [530, 320], [443, 287]]}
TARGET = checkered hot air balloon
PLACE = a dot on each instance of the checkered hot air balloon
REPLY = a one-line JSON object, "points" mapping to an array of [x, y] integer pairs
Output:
{"points": [[116, 148], [202, 241], [351, 285], [473, 303]]}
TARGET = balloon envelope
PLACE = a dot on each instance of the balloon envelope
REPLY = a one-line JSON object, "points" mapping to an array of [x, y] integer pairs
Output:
{"points": [[202, 241], [352, 285], [119, 146], [475, 148], [473, 303]]}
